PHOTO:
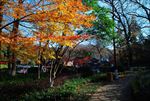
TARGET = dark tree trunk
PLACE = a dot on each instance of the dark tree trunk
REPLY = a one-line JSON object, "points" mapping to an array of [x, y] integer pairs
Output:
{"points": [[14, 35], [9, 60], [1, 19], [13, 59], [13, 73], [39, 71], [129, 52], [115, 56], [114, 39]]}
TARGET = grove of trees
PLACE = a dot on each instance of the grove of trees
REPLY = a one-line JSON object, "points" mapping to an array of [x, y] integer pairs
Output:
{"points": [[40, 31]]}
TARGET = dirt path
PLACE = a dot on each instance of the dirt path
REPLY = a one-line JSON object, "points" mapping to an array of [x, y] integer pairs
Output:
{"points": [[115, 91]]}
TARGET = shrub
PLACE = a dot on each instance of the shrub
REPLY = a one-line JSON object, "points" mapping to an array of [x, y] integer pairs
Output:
{"points": [[141, 86], [67, 92], [32, 70], [99, 77]]}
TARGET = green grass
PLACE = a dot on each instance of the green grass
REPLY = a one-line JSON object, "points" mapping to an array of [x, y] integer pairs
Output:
{"points": [[3, 66]]}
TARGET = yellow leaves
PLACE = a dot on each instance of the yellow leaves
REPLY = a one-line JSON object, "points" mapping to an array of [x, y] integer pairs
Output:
{"points": [[56, 27], [67, 11], [58, 23], [68, 43], [38, 61], [4, 40], [47, 53], [52, 57], [54, 23], [17, 10]]}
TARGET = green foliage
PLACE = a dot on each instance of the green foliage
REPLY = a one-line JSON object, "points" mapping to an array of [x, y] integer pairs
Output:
{"points": [[103, 25], [2, 66], [90, 3], [72, 85]]}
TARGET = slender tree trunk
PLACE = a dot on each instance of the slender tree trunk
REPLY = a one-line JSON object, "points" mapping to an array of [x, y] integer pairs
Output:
{"points": [[51, 78], [39, 71], [40, 64], [115, 56], [114, 41], [13, 64], [54, 71], [40, 67], [9, 60], [129, 52], [51, 81]]}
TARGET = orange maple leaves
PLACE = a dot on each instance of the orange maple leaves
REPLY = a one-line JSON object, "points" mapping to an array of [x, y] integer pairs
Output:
{"points": [[54, 20], [61, 21]]}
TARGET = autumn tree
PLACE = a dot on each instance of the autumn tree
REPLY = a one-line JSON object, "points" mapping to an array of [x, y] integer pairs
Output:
{"points": [[53, 26], [1, 19], [14, 12]]}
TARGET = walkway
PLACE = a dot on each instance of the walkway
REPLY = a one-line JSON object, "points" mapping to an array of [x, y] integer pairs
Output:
{"points": [[114, 91]]}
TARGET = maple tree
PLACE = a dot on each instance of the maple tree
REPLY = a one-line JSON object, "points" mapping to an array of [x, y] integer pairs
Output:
{"points": [[11, 34], [57, 27], [51, 23]]}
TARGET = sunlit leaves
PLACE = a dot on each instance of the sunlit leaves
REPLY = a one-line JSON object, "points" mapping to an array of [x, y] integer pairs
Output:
{"points": [[53, 21]]}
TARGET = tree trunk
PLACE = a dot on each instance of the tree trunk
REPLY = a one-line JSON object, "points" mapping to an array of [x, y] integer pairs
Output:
{"points": [[51, 80], [1, 19], [15, 34], [13, 58], [115, 58], [114, 41], [13, 64], [53, 71], [40, 64], [129, 52], [39, 72], [9, 60]]}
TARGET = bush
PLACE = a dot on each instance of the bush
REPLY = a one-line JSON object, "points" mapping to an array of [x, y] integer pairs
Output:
{"points": [[85, 71], [75, 89], [141, 86], [33, 70], [67, 92], [99, 77]]}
